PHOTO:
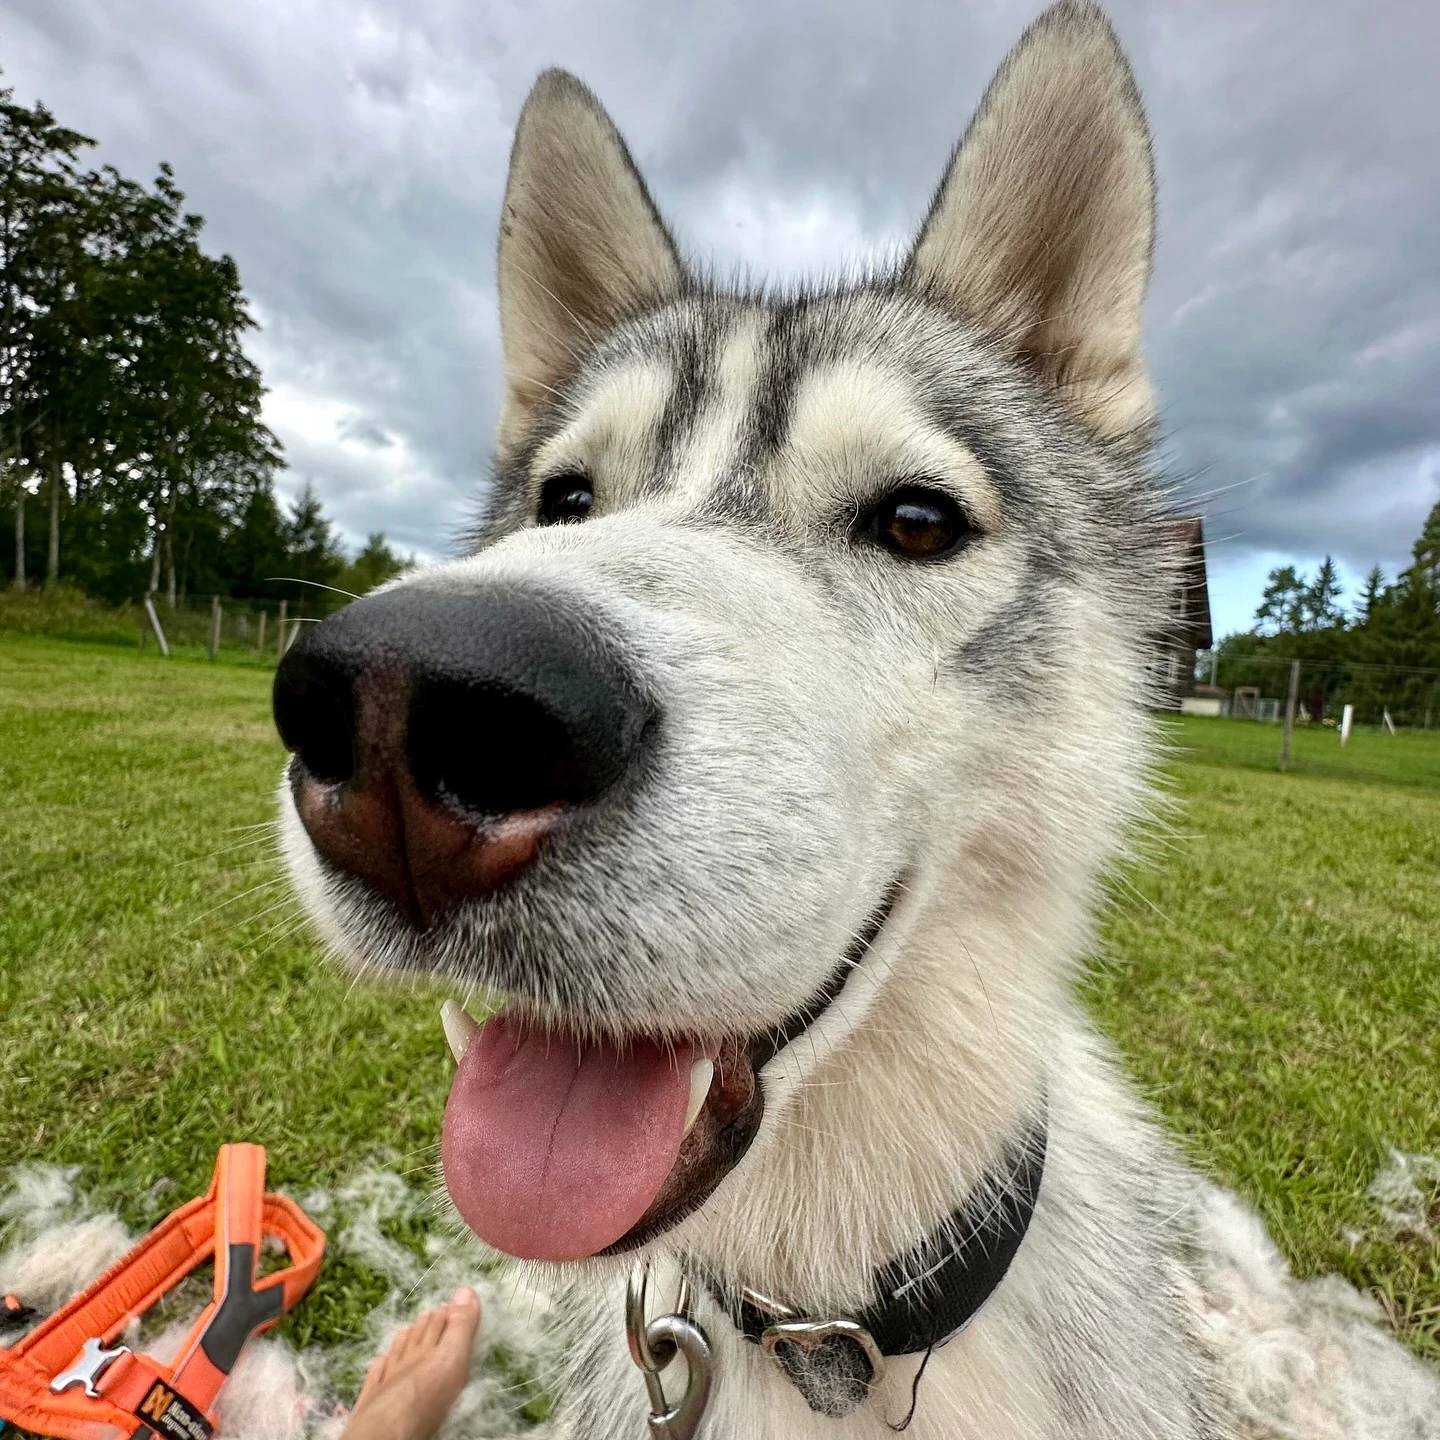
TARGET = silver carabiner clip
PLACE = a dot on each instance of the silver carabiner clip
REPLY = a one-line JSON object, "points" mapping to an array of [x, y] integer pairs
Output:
{"points": [[654, 1344]]}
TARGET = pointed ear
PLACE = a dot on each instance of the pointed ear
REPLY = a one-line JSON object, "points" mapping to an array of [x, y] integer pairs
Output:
{"points": [[581, 244], [1042, 227]]}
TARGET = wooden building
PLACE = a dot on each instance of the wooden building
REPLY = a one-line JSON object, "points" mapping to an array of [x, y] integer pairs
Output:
{"points": [[1190, 632]]}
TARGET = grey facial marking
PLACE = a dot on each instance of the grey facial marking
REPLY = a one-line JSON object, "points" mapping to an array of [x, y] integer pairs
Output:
{"points": [[741, 495], [693, 343], [1014, 651]]}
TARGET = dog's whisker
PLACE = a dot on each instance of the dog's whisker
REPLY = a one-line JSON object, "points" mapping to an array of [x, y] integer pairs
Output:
{"points": [[265, 884], [247, 844]]}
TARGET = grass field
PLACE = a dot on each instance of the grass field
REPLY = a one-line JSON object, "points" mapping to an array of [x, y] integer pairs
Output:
{"points": [[1274, 981]]}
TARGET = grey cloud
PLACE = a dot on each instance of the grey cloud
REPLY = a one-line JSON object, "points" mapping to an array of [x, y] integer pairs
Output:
{"points": [[353, 161]]}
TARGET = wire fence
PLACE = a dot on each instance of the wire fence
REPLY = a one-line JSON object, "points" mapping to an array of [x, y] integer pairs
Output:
{"points": [[1347, 720], [1256, 687], [219, 624]]}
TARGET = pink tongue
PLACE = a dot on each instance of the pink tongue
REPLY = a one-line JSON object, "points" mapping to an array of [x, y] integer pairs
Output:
{"points": [[553, 1150]]}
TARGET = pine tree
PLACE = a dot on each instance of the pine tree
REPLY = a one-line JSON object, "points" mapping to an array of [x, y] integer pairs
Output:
{"points": [[1427, 548], [1322, 599], [373, 566], [1281, 605], [1370, 596], [313, 557]]}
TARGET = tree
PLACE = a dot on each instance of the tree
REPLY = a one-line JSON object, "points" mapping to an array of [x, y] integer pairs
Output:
{"points": [[185, 413], [1321, 608], [373, 566], [1427, 549], [312, 554], [1282, 602], [41, 238], [1388, 658], [1370, 597], [255, 548], [126, 396]]}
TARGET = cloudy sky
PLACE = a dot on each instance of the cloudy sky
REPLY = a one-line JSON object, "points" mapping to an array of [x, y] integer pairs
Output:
{"points": [[351, 155]]}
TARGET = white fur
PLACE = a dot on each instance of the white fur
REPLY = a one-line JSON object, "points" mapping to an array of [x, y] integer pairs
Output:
{"points": [[1308, 1360]]}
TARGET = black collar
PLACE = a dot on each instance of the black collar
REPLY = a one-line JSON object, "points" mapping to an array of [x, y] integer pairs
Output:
{"points": [[923, 1297]]}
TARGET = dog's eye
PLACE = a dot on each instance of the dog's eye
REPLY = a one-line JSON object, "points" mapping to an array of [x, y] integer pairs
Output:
{"points": [[565, 499], [916, 523]]}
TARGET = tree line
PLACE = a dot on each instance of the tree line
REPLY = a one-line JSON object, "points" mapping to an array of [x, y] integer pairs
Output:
{"points": [[133, 457], [1382, 655]]}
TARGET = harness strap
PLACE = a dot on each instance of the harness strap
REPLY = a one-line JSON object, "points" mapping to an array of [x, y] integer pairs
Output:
{"points": [[108, 1387], [922, 1298]]}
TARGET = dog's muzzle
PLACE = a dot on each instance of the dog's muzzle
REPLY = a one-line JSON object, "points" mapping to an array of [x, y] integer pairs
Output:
{"points": [[439, 738]]}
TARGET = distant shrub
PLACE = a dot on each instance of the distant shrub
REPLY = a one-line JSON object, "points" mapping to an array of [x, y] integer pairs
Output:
{"points": [[66, 614]]}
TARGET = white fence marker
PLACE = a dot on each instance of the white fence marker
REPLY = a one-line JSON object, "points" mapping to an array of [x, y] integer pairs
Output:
{"points": [[1389, 723], [1346, 716], [155, 626]]}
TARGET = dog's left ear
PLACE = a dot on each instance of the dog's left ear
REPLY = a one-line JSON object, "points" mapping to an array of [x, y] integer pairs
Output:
{"points": [[1041, 230]]}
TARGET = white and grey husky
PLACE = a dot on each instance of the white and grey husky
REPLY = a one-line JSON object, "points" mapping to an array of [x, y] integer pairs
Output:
{"points": [[766, 755]]}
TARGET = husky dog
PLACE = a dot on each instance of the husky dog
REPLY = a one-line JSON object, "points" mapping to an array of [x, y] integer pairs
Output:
{"points": [[766, 756]]}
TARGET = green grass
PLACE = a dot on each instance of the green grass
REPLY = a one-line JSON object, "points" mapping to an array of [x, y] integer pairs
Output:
{"points": [[66, 614], [1410, 757], [154, 1005], [1273, 984]]}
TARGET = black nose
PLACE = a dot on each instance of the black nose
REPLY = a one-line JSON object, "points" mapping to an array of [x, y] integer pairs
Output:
{"points": [[439, 737]]}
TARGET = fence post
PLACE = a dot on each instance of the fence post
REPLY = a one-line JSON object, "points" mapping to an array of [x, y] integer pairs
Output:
{"points": [[260, 635], [155, 626], [1347, 716], [1289, 714], [216, 615], [280, 637]]}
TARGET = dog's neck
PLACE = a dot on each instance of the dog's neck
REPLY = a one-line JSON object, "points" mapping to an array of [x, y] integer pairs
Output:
{"points": [[919, 1300], [926, 1094]]}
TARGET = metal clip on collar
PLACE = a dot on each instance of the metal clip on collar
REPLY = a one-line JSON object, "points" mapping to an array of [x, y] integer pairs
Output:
{"points": [[653, 1345]]}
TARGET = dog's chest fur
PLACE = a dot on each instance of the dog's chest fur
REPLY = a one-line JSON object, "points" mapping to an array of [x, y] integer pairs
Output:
{"points": [[1094, 1331]]}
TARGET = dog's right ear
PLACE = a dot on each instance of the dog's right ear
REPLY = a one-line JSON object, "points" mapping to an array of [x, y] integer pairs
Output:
{"points": [[581, 244]]}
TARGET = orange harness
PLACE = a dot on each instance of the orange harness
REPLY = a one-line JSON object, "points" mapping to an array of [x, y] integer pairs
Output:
{"points": [[69, 1379]]}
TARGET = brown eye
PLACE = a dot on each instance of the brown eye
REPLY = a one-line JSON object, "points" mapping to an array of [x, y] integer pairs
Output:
{"points": [[565, 499], [916, 523]]}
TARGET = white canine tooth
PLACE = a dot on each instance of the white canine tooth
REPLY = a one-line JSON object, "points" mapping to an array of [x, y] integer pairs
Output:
{"points": [[459, 1028], [701, 1074]]}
